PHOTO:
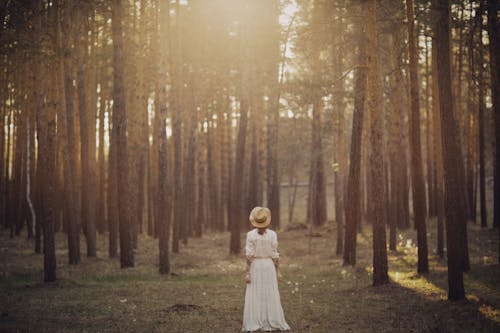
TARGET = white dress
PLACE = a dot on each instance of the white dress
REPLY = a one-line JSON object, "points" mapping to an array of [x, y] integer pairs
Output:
{"points": [[263, 309]]}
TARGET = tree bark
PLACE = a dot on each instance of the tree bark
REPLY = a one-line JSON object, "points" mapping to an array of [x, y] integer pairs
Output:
{"points": [[177, 88], [162, 204], [87, 197], [317, 189], [455, 214], [237, 204], [494, 36], [273, 177], [353, 202], [481, 104], [395, 145], [69, 143], [47, 156], [120, 122], [374, 104], [101, 202], [418, 183], [438, 153]]}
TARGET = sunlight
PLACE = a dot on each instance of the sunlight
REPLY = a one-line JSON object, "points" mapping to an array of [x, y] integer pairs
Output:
{"points": [[419, 284]]}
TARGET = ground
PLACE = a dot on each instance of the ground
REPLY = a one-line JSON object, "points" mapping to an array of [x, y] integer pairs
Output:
{"points": [[205, 292]]}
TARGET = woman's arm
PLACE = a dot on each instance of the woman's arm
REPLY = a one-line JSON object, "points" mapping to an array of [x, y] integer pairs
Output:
{"points": [[247, 269], [276, 256], [250, 252]]}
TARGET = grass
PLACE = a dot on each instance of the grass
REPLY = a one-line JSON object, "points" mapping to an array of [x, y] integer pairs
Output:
{"points": [[205, 293]]}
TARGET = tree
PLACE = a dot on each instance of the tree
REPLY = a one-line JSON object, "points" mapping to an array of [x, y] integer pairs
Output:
{"points": [[237, 204], [86, 134], [273, 177], [161, 118], [438, 153], [493, 33], [46, 140], [481, 120], [177, 112], [396, 151], [374, 105], [120, 121], [418, 184], [353, 206], [339, 149], [455, 214], [66, 117], [317, 189]]}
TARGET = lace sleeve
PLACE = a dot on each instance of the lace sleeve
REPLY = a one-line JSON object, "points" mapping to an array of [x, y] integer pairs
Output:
{"points": [[274, 247], [250, 246]]}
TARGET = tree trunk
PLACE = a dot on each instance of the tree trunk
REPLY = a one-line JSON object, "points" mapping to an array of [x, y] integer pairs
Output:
{"points": [[190, 165], [395, 146], [101, 202], [429, 161], [438, 153], [494, 37], [112, 192], [481, 105], [120, 122], [273, 178], [353, 202], [212, 176], [418, 183], [67, 127], [253, 183], [162, 204], [177, 88], [87, 197], [237, 204], [317, 195], [455, 214], [374, 104], [38, 104], [47, 156], [340, 161], [200, 209]]}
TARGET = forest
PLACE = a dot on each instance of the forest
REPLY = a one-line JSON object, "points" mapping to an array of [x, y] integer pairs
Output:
{"points": [[137, 135]]}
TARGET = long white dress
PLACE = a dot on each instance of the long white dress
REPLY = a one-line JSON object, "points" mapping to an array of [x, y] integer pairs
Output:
{"points": [[263, 309]]}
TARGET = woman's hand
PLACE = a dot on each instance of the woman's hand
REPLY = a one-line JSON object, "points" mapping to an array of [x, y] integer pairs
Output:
{"points": [[280, 277], [247, 278]]}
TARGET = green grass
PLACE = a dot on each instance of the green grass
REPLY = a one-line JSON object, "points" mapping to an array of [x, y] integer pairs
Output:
{"points": [[205, 293]]}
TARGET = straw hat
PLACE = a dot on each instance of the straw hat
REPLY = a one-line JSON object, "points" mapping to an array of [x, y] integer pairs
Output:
{"points": [[260, 217]]}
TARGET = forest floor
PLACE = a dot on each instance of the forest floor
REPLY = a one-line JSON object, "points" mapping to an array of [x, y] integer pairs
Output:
{"points": [[205, 292]]}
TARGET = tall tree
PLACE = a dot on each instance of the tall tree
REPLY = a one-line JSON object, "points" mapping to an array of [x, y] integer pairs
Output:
{"points": [[177, 113], [66, 117], [417, 177], [317, 188], [87, 196], [374, 104], [395, 146], [494, 36], [481, 120], [273, 178], [237, 215], [47, 136], [161, 118], [438, 153], [353, 202], [338, 146], [455, 214], [120, 121]]}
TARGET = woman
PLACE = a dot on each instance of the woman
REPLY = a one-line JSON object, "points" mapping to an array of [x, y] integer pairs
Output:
{"points": [[263, 309]]}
